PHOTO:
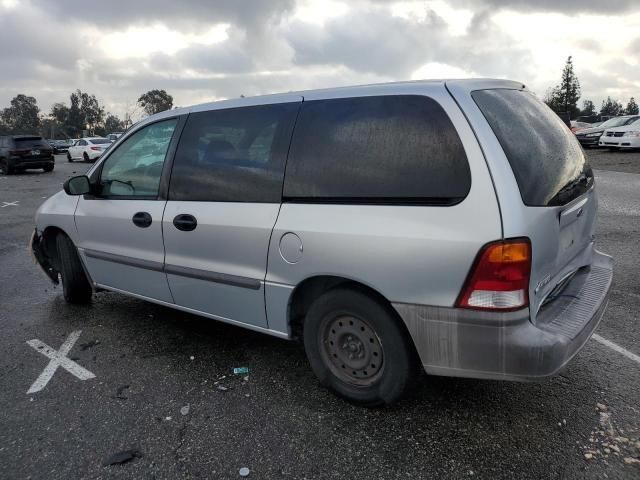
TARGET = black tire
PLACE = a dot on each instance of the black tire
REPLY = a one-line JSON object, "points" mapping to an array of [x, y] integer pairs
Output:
{"points": [[48, 168], [372, 360], [69, 159], [85, 157], [5, 168], [75, 286]]}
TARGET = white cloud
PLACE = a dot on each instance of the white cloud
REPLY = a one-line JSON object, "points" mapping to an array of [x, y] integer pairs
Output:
{"points": [[201, 50]]}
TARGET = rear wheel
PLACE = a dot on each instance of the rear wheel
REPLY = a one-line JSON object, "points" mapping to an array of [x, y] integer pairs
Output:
{"points": [[85, 156], [5, 167], [75, 285], [48, 168], [357, 348], [69, 158]]}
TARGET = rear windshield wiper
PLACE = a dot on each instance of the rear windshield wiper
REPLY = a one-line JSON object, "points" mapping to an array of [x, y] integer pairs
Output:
{"points": [[566, 193]]}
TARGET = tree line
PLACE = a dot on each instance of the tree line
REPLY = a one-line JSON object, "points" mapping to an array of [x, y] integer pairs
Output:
{"points": [[82, 115], [564, 97]]}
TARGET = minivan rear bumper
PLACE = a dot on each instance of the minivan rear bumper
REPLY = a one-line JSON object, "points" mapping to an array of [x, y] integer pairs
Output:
{"points": [[510, 346]]}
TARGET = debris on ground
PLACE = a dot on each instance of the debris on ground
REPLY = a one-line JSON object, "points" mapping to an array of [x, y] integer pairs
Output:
{"points": [[185, 410], [192, 357], [241, 370], [120, 391], [167, 419], [121, 457], [606, 441], [222, 388], [244, 472], [90, 344]]}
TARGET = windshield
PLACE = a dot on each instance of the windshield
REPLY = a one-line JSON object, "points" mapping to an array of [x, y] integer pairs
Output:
{"points": [[546, 159], [99, 141], [616, 122]]}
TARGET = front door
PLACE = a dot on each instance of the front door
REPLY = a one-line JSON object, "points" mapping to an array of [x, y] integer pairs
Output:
{"points": [[224, 199], [120, 228]]}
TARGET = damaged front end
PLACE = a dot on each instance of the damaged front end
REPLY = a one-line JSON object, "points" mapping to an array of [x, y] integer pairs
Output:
{"points": [[38, 249]]}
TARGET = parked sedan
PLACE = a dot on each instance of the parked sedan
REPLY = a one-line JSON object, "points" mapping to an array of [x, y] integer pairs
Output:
{"points": [[88, 149], [590, 137], [575, 126], [60, 146], [626, 137]]}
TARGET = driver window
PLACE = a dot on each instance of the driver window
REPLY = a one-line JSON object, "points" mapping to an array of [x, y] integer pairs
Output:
{"points": [[134, 169]]}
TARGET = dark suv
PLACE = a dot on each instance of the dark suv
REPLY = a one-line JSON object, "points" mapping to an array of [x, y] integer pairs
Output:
{"points": [[19, 152]]}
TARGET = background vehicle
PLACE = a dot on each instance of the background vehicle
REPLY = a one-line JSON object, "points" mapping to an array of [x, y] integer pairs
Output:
{"points": [[416, 224], [579, 125], [625, 137], [88, 149], [21, 152], [60, 146], [114, 136], [590, 137]]}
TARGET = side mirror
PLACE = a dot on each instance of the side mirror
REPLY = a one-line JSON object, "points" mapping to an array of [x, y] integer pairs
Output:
{"points": [[77, 185]]}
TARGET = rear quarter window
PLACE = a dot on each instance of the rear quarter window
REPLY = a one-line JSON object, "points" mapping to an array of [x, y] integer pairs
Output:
{"points": [[376, 149], [546, 159]]}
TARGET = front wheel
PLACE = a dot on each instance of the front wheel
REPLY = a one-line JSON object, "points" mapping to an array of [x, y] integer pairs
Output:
{"points": [[69, 157], [48, 168], [75, 286], [85, 156], [358, 348]]}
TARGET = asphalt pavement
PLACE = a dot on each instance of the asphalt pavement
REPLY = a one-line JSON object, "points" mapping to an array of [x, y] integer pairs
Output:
{"points": [[164, 393]]}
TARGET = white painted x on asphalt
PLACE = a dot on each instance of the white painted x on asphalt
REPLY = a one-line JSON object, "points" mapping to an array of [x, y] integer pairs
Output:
{"points": [[10, 204], [58, 359]]}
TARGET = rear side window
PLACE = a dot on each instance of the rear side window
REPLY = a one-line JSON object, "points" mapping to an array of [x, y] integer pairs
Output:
{"points": [[376, 149], [545, 156], [233, 155]]}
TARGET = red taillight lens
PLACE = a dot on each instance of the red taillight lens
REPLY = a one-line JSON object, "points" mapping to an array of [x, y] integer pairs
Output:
{"points": [[499, 279], [97, 149]]}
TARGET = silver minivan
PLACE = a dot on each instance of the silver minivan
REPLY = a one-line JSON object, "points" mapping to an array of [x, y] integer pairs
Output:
{"points": [[442, 224]]}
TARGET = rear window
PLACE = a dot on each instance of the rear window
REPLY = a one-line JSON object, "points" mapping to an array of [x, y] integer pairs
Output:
{"points": [[546, 159], [400, 148], [30, 142], [99, 141]]}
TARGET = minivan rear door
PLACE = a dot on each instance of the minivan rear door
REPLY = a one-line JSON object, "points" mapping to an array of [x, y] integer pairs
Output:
{"points": [[224, 198], [543, 180]]}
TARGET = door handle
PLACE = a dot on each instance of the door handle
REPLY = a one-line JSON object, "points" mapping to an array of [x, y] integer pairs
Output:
{"points": [[185, 222], [142, 219]]}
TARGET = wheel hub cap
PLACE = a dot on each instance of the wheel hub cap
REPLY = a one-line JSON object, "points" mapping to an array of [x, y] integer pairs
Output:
{"points": [[353, 350]]}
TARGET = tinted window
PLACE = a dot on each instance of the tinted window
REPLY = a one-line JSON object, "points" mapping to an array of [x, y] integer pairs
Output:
{"points": [[99, 141], [82, 143], [233, 155], [546, 159], [390, 148], [30, 142], [135, 167]]}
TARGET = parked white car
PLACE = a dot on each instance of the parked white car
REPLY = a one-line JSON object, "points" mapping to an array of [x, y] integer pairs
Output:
{"points": [[627, 136], [88, 149]]}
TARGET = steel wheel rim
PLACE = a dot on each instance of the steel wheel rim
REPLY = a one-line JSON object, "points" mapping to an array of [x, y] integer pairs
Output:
{"points": [[351, 349]]}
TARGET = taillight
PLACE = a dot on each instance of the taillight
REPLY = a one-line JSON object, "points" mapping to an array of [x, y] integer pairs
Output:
{"points": [[97, 149], [499, 279]]}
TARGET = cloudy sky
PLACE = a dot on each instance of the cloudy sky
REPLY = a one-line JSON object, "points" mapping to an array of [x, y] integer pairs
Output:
{"points": [[203, 50]]}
